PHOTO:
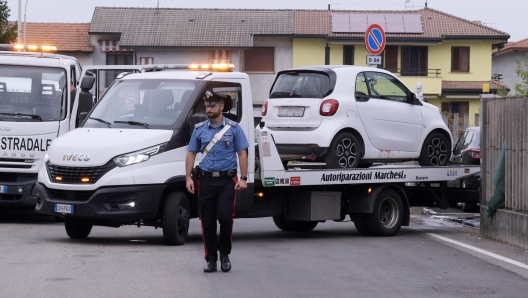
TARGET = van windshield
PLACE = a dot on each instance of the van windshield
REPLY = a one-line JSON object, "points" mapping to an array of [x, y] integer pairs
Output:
{"points": [[142, 103], [301, 84], [29, 93]]}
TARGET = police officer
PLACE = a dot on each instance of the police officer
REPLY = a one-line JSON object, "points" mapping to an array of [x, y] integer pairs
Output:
{"points": [[218, 181]]}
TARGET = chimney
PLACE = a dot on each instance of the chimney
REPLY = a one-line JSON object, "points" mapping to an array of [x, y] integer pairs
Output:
{"points": [[478, 22]]}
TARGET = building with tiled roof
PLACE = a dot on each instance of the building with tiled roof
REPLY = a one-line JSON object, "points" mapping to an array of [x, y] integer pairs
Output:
{"points": [[505, 62], [69, 38], [425, 45]]}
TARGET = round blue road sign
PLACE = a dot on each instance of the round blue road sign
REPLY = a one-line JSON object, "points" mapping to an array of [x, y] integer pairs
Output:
{"points": [[375, 39]]}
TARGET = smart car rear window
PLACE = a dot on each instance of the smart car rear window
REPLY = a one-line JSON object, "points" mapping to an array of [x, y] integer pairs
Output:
{"points": [[301, 84]]}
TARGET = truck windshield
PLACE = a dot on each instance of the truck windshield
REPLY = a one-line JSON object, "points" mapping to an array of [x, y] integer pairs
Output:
{"points": [[300, 84], [142, 104], [29, 93]]}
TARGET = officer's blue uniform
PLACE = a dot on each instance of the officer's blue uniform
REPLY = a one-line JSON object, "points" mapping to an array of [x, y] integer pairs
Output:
{"points": [[217, 194]]}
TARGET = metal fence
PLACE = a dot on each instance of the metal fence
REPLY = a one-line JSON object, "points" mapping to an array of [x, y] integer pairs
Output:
{"points": [[505, 122]]}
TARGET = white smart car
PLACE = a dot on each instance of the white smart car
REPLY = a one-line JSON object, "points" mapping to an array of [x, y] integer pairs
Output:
{"points": [[352, 116]]}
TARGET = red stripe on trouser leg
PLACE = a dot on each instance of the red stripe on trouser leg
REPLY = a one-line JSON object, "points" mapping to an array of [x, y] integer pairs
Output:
{"points": [[201, 222], [233, 214]]}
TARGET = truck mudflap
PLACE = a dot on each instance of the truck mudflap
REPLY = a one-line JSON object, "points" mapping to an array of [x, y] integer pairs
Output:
{"points": [[18, 189], [108, 206]]}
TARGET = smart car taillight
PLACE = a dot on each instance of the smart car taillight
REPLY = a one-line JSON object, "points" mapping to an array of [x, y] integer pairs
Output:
{"points": [[474, 153], [264, 109], [328, 107]]}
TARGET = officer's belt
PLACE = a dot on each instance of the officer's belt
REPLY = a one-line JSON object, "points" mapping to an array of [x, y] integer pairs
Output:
{"points": [[217, 137], [217, 174]]}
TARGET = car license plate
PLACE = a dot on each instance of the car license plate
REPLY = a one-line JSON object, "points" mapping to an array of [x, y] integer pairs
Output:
{"points": [[291, 112], [62, 208], [3, 188]]}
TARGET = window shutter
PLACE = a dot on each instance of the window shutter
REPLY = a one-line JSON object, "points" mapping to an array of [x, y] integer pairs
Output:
{"points": [[455, 59], [391, 58], [348, 55], [423, 61], [405, 61], [464, 59]]}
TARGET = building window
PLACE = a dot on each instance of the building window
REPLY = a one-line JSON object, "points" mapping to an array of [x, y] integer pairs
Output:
{"points": [[119, 59], [460, 59], [116, 59], [391, 58], [348, 55], [414, 61], [259, 60]]}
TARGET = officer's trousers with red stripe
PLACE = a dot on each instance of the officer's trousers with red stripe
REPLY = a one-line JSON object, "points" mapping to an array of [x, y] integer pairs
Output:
{"points": [[217, 203]]}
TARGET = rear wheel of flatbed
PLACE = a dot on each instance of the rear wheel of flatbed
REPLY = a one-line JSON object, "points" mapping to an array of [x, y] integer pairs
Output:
{"points": [[360, 221], [387, 218], [76, 229], [176, 219], [293, 225]]}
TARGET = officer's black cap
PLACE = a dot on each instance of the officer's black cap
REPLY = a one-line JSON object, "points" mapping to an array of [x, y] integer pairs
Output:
{"points": [[212, 98]]}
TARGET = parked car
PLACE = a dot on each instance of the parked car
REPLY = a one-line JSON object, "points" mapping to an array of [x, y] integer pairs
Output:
{"points": [[347, 115], [467, 152]]}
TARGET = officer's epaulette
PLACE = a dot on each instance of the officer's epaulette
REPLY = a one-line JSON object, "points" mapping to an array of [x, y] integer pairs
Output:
{"points": [[231, 123], [199, 124]]}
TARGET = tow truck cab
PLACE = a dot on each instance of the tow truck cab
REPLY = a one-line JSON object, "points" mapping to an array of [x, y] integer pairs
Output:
{"points": [[129, 155], [34, 109]]}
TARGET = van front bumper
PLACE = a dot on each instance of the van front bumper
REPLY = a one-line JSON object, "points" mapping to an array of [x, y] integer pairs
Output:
{"points": [[106, 206]]}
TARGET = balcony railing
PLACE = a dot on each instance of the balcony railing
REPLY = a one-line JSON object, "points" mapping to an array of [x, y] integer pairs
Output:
{"points": [[415, 72]]}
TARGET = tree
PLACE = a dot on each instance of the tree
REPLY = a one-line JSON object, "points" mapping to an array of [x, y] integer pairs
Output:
{"points": [[522, 72], [8, 34]]}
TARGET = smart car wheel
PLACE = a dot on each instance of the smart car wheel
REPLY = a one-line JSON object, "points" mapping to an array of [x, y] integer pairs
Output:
{"points": [[344, 152], [435, 151]]}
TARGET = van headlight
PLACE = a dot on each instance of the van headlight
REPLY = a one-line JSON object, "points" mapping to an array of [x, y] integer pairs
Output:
{"points": [[138, 156], [46, 157]]}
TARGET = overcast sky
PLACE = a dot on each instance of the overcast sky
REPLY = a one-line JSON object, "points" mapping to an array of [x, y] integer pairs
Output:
{"points": [[509, 16]]}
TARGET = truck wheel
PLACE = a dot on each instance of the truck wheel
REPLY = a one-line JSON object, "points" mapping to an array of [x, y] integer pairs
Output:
{"points": [[76, 229], [361, 224], [293, 225], [387, 218], [435, 151], [344, 152], [280, 222], [176, 218]]}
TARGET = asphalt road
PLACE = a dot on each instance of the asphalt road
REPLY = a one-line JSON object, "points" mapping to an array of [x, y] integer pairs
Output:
{"points": [[37, 259]]}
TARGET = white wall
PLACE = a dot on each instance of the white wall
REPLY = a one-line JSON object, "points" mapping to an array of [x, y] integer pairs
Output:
{"points": [[506, 64]]}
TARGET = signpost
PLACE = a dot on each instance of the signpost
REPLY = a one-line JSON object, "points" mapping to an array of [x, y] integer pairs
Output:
{"points": [[375, 43]]}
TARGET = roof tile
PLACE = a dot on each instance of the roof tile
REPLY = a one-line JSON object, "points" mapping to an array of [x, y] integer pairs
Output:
{"points": [[471, 85], [67, 37]]}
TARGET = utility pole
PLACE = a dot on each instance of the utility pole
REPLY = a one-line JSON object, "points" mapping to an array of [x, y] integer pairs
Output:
{"points": [[25, 8], [19, 18]]}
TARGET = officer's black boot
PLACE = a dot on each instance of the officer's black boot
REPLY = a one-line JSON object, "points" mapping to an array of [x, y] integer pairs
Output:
{"points": [[210, 266], [225, 263]]}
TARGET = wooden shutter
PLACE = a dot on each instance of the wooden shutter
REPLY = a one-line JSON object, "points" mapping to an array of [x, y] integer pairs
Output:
{"points": [[422, 62], [348, 55], [445, 107], [405, 61], [391, 58], [464, 59]]}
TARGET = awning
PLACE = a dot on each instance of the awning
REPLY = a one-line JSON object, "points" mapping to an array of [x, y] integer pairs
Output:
{"points": [[112, 46]]}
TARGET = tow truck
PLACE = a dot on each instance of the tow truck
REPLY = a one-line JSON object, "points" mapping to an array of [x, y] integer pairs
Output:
{"points": [[37, 105], [123, 168]]}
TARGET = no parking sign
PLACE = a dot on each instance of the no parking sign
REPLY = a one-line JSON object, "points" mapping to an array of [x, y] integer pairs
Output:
{"points": [[375, 39]]}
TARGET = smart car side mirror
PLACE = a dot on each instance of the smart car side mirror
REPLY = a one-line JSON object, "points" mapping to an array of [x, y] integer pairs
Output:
{"points": [[415, 100]]}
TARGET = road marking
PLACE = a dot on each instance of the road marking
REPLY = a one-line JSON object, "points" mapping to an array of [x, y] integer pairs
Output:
{"points": [[490, 254]]}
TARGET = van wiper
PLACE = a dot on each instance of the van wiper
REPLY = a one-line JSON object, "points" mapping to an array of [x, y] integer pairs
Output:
{"points": [[146, 125], [101, 120], [33, 116]]}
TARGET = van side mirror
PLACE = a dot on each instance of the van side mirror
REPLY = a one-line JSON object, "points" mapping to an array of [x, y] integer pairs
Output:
{"points": [[87, 81], [195, 119]]}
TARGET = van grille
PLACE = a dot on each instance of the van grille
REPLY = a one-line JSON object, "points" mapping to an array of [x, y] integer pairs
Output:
{"points": [[73, 175], [70, 195]]}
